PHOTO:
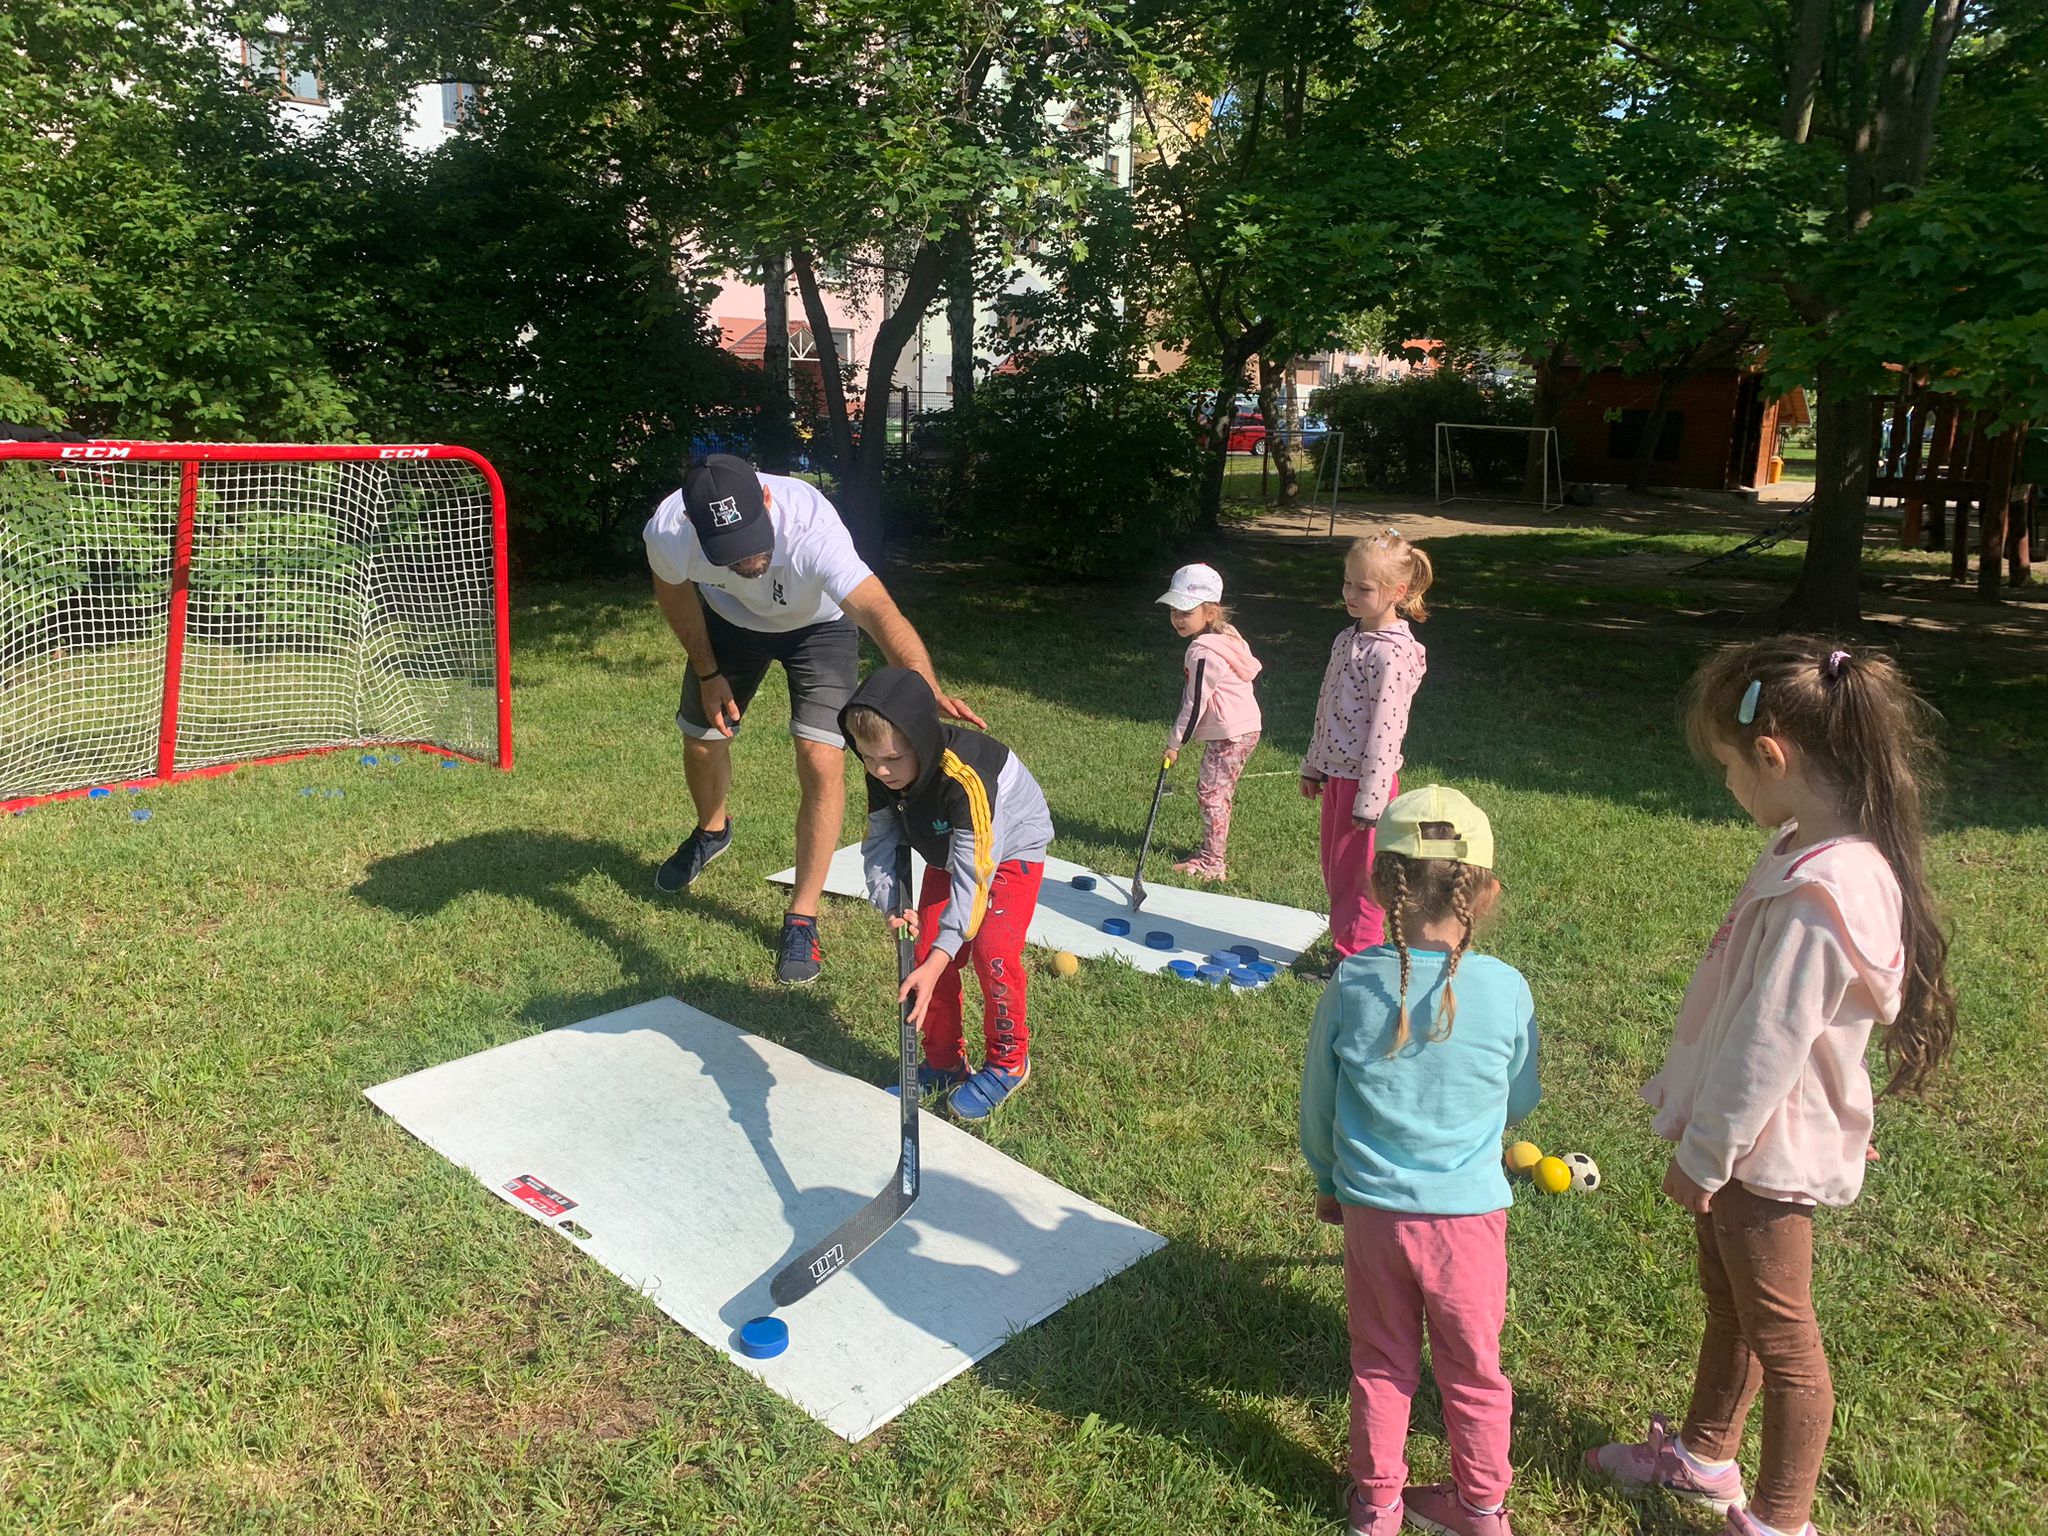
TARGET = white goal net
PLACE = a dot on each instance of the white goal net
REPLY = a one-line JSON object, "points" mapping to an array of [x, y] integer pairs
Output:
{"points": [[168, 609], [1480, 462]]}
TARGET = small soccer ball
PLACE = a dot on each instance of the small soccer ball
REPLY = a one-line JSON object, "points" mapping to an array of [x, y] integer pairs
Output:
{"points": [[1552, 1175], [1522, 1157], [1066, 964], [1585, 1173]]}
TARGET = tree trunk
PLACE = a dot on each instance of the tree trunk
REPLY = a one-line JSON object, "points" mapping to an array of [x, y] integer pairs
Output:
{"points": [[860, 483], [774, 441], [1991, 527], [1668, 384], [960, 315], [1234, 353], [1826, 596], [1279, 455], [1546, 404], [837, 422]]}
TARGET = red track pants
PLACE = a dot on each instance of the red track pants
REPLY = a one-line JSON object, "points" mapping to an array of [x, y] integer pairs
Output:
{"points": [[997, 953]]}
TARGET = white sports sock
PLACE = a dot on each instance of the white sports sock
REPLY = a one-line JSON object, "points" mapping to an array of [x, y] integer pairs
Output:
{"points": [[1699, 1464], [1480, 1509], [1772, 1530]]}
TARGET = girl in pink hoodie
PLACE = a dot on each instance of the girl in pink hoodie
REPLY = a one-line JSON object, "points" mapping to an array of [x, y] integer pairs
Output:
{"points": [[1834, 933], [1225, 717]]}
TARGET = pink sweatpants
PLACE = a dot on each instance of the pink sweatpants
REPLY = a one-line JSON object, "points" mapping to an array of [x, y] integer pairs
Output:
{"points": [[1452, 1270], [1356, 920]]}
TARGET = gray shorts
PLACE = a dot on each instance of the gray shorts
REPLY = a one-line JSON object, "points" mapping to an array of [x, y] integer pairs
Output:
{"points": [[821, 661]]}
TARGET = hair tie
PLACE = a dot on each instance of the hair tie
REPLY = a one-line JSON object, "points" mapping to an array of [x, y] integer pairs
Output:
{"points": [[1746, 714], [1832, 669]]}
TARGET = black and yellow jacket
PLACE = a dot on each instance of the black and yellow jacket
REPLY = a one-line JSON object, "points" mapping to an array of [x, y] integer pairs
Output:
{"points": [[972, 806]]}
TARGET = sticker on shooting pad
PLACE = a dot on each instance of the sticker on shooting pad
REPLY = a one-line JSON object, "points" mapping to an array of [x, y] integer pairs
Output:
{"points": [[530, 1191]]}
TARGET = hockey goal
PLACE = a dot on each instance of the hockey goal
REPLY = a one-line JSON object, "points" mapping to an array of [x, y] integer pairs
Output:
{"points": [[175, 609]]}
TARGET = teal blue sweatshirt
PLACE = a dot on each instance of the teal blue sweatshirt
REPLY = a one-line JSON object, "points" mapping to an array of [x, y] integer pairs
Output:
{"points": [[1418, 1132]]}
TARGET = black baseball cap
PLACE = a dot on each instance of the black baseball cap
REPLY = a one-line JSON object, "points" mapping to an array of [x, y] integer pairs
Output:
{"points": [[722, 496]]}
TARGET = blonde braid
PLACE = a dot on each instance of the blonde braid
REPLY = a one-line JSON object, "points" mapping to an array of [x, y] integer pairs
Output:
{"points": [[1462, 893], [1394, 910]]}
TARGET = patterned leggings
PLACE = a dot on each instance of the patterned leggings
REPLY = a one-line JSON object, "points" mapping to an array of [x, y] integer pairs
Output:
{"points": [[1215, 788]]}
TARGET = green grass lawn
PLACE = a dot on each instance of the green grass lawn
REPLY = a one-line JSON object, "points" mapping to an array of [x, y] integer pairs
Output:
{"points": [[234, 1299]]}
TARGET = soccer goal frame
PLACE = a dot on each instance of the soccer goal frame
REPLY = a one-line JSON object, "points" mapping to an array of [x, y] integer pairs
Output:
{"points": [[1446, 477], [171, 611]]}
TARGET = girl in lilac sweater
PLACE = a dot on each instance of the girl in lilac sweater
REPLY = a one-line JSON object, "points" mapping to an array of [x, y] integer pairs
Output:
{"points": [[1354, 759], [1764, 1091], [1225, 718]]}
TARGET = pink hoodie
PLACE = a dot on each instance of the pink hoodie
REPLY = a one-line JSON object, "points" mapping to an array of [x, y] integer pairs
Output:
{"points": [[1229, 708], [1765, 1080]]}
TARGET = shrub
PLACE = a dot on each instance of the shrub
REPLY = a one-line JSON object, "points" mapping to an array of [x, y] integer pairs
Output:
{"points": [[1390, 426]]}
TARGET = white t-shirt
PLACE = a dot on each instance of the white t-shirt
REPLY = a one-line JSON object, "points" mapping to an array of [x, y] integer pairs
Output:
{"points": [[810, 571]]}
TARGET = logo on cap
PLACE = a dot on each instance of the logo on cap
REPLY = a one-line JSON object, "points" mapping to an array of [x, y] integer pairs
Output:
{"points": [[725, 512]]}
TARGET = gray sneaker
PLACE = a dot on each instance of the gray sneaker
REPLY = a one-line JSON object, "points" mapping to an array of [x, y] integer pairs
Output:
{"points": [[684, 865]]}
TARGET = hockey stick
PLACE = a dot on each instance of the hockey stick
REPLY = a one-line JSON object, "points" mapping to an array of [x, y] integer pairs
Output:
{"points": [[860, 1231], [1159, 789]]}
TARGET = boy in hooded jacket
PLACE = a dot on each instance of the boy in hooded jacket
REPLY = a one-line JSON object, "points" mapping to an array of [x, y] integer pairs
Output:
{"points": [[973, 812]]}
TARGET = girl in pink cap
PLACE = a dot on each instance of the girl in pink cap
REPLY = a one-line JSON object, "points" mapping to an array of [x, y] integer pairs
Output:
{"points": [[1225, 718], [1354, 759], [1835, 933]]}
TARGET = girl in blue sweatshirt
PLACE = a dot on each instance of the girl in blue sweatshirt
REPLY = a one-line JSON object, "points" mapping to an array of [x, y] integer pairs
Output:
{"points": [[1408, 1085]]}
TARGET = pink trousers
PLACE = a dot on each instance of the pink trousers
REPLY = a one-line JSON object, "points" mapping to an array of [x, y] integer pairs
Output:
{"points": [[1452, 1271], [1356, 920]]}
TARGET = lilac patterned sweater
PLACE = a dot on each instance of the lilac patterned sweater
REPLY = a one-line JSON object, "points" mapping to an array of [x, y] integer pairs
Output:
{"points": [[1362, 713]]}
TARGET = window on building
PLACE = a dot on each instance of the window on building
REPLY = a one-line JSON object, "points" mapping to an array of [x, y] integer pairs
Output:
{"points": [[458, 102], [1625, 435], [842, 344], [1113, 165], [280, 58]]}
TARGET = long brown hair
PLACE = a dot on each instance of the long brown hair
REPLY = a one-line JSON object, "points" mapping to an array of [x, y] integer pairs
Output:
{"points": [[1389, 551], [1866, 736], [1418, 891]]}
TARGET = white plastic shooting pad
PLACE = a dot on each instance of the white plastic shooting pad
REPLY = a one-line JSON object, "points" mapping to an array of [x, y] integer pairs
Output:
{"points": [[1201, 922], [701, 1159]]}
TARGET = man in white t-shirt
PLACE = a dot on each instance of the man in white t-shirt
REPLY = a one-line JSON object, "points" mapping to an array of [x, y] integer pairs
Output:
{"points": [[751, 569]]}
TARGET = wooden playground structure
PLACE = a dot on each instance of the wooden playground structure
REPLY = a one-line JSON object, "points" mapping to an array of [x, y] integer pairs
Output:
{"points": [[1939, 460]]}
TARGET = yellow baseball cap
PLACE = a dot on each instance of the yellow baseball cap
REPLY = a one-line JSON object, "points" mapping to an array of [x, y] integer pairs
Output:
{"points": [[1436, 807]]}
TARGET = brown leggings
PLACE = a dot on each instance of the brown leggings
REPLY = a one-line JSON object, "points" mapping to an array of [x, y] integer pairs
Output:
{"points": [[1756, 1265]]}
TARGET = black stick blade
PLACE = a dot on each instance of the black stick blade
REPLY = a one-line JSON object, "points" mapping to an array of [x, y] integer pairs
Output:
{"points": [[847, 1242]]}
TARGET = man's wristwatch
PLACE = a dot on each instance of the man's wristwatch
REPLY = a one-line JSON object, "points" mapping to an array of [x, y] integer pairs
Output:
{"points": [[705, 677]]}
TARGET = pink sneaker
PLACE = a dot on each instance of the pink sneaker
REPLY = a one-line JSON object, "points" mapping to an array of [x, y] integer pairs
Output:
{"points": [[1654, 1463], [1740, 1524], [1438, 1510], [1201, 869], [1370, 1520]]}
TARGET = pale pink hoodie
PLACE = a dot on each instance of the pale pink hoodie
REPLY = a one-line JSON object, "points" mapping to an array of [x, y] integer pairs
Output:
{"points": [[1765, 1081], [1229, 708]]}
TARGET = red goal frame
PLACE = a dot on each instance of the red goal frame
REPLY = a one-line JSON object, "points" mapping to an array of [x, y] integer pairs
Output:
{"points": [[192, 456]]}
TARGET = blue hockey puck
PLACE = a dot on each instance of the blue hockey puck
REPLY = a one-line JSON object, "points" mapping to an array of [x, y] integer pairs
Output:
{"points": [[763, 1338], [1084, 882], [368, 761], [97, 794], [139, 815], [1245, 976], [1245, 952], [1116, 925], [1267, 970], [1159, 938], [1226, 958], [1184, 969], [1212, 975], [449, 762]]}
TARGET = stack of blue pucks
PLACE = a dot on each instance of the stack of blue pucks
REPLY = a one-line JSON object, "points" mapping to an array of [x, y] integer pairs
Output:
{"points": [[1239, 968]]}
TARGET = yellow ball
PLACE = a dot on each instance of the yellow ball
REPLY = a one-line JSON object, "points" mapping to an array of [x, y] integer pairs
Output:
{"points": [[1065, 963], [1523, 1156], [1552, 1176]]}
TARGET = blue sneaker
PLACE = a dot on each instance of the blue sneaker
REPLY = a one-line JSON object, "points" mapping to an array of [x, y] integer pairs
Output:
{"points": [[802, 956], [931, 1080], [983, 1094], [680, 869]]}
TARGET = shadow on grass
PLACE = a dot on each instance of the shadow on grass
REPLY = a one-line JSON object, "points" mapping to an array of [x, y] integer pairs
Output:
{"points": [[546, 870], [1195, 1346]]}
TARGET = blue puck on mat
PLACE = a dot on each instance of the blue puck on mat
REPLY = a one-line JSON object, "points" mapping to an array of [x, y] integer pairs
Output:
{"points": [[1226, 958], [1245, 976], [1116, 925], [1212, 975], [1245, 952], [763, 1338], [1084, 882], [1184, 969], [1267, 970], [1159, 938]]}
